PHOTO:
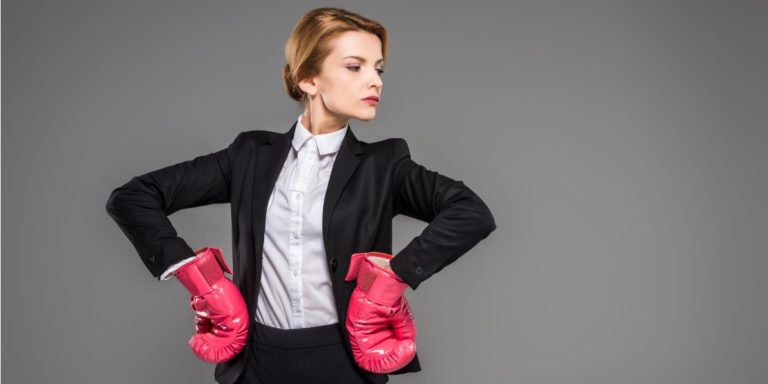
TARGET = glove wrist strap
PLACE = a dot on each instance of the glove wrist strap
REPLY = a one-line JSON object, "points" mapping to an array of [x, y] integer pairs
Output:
{"points": [[385, 290], [200, 274]]}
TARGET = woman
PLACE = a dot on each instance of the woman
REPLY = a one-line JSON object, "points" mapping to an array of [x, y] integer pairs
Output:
{"points": [[316, 294]]}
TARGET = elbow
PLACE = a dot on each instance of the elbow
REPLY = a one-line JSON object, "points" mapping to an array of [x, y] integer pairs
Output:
{"points": [[486, 223], [121, 198], [489, 224], [112, 203], [481, 221], [116, 202], [482, 218]]}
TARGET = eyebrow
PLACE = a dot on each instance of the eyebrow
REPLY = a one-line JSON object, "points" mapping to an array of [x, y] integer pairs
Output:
{"points": [[363, 59]]}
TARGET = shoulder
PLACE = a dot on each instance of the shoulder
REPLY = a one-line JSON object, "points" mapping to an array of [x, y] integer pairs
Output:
{"points": [[251, 139], [257, 135], [389, 147]]}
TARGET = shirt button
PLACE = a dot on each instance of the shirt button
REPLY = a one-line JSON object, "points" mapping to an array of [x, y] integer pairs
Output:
{"points": [[151, 259], [295, 272], [419, 270]]}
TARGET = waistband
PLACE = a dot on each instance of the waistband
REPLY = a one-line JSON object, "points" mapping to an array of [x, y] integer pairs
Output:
{"points": [[297, 338]]}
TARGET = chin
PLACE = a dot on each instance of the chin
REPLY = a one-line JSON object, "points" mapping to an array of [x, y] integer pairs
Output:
{"points": [[366, 116]]}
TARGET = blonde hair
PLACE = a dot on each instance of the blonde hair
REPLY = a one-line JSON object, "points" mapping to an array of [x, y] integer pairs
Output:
{"points": [[310, 43]]}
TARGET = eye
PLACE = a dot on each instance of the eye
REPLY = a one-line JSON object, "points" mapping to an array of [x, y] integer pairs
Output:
{"points": [[356, 68]]}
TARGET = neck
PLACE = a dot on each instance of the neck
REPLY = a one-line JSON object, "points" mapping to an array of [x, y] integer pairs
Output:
{"points": [[319, 124]]}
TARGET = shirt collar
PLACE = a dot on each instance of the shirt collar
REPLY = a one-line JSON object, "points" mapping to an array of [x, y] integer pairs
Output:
{"points": [[326, 142]]}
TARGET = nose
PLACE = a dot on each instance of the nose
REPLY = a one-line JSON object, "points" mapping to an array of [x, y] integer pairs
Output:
{"points": [[376, 81], [377, 84]]}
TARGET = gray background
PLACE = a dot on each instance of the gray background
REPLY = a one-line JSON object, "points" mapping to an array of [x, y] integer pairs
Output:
{"points": [[620, 144]]}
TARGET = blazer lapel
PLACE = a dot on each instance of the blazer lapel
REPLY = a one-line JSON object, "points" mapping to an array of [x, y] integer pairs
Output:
{"points": [[269, 161], [344, 166]]}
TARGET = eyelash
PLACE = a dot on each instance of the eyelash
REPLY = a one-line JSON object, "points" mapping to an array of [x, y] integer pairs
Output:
{"points": [[381, 71]]}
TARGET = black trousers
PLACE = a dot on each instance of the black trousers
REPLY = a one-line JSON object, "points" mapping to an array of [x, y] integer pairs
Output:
{"points": [[306, 355]]}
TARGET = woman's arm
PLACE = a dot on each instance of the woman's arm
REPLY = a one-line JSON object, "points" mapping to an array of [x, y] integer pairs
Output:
{"points": [[458, 219], [141, 206]]}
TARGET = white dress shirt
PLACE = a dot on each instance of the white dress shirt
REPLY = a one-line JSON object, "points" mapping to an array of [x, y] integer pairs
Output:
{"points": [[296, 290]]}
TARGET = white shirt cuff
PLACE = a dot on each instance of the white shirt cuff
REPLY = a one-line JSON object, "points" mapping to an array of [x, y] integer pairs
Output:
{"points": [[167, 274]]}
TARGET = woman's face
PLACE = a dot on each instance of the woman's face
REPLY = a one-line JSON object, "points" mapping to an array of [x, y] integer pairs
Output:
{"points": [[350, 73]]}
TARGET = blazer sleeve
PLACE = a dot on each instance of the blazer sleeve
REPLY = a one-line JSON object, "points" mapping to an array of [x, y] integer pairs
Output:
{"points": [[141, 206], [458, 219]]}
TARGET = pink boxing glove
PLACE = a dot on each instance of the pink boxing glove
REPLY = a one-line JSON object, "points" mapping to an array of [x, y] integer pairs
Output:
{"points": [[221, 315], [379, 320]]}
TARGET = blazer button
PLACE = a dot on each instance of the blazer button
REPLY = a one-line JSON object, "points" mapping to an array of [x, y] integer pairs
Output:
{"points": [[419, 270], [333, 264], [151, 259]]}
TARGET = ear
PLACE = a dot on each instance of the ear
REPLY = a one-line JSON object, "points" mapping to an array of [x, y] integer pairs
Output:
{"points": [[309, 86]]}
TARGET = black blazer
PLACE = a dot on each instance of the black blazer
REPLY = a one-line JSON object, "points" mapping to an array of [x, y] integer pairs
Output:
{"points": [[369, 185]]}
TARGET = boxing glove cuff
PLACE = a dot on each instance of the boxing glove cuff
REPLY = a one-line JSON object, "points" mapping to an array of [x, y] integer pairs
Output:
{"points": [[381, 286], [198, 275]]}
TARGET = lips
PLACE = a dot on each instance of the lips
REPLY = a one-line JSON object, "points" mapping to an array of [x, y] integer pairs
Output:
{"points": [[374, 98]]}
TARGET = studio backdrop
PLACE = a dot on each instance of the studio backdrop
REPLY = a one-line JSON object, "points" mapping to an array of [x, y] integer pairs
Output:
{"points": [[621, 147]]}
